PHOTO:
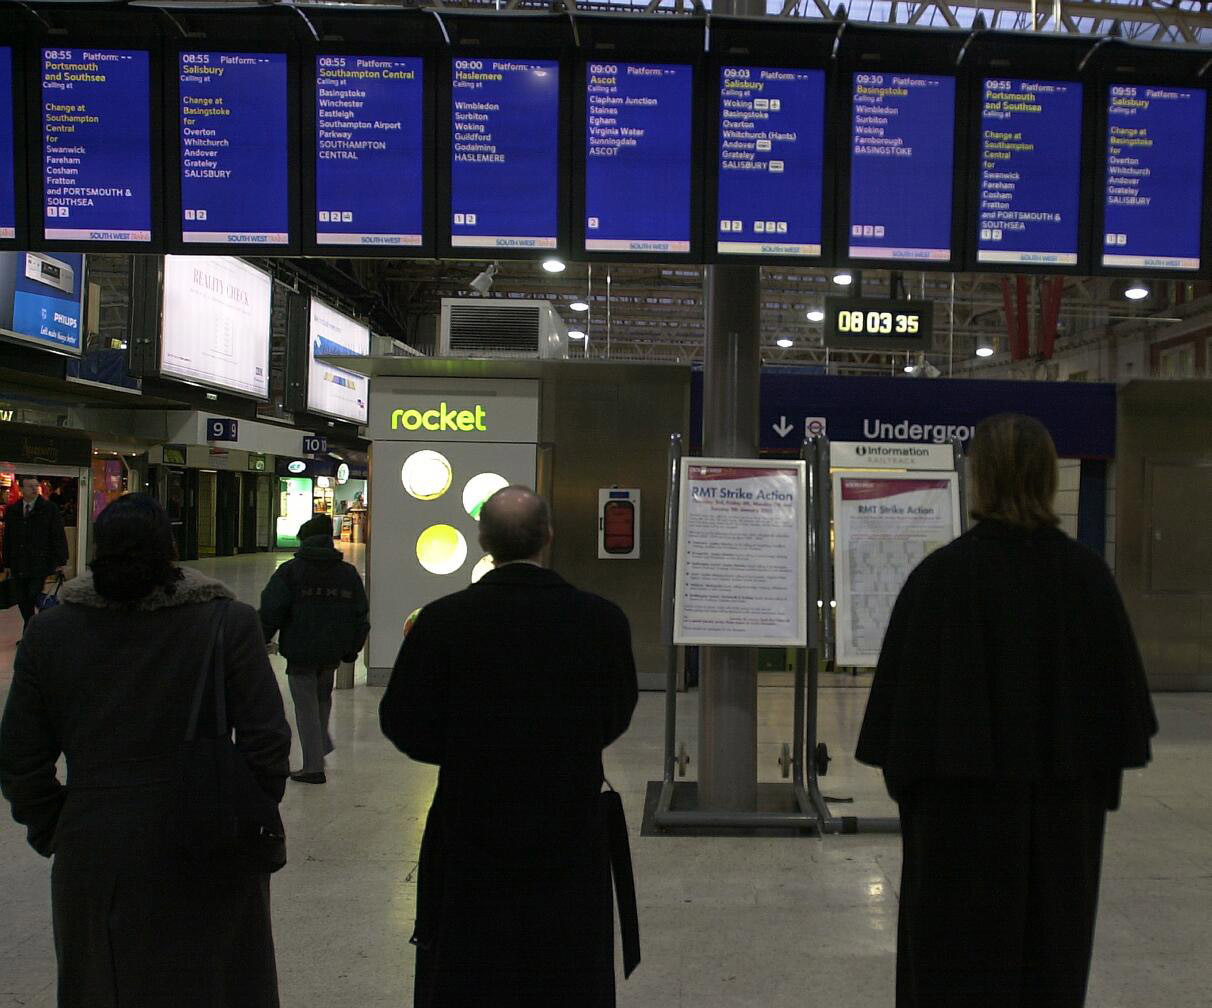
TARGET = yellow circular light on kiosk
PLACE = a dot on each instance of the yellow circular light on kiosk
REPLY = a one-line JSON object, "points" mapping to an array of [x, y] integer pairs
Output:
{"points": [[479, 489], [426, 475], [441, 549], [482, 568]]}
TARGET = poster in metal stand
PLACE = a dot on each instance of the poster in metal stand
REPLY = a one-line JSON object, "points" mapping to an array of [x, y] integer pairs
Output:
{"points": [[742, 569], [802, 813], [885, 524]]}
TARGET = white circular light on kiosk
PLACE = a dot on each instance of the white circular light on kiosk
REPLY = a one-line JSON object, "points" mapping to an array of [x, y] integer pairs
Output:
{"points": [[554, 265], [479, 489], [441, 549], [482, 568], [426, 475], [342, 474]]}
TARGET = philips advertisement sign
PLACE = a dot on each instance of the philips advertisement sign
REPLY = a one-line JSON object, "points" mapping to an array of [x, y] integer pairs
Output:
{"points": [[42, 299]]}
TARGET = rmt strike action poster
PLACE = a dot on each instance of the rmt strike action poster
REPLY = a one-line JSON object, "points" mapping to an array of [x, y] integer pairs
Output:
{"points": [[883, 527], [742, 570]]}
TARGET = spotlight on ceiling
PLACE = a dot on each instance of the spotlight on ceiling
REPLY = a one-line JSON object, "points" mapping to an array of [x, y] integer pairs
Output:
{"points": [[576, 334], [554, 265], [984, 347], [910, 369], [843, 279], [784, 342], [816, 315], [579, 306], [1136, 291], [482, 284]]}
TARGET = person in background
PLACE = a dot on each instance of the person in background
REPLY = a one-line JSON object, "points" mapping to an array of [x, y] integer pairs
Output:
{"points": [[1008, 699], [107, 678], [525, 679], [35, 545], [317, 603]]}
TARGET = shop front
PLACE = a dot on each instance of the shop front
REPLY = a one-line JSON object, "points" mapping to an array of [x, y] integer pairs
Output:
{"points": [[63, 468]]}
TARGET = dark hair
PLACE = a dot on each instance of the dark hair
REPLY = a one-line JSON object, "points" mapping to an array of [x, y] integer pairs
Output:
{"points": [[515, 524], [318, 524], [135, 550], [1013, 470], [27, 476]]}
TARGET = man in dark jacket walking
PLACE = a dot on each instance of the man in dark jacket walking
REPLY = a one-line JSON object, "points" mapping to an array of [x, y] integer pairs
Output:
{"points": [[35, 545], [318, 603], [513, 688]]}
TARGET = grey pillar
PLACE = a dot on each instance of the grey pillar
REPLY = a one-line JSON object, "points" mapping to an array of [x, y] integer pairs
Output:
{"points": [[727, 770]]}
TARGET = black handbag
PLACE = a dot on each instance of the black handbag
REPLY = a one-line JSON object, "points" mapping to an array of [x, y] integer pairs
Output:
{"points": [[8, 597], [226, 818]]}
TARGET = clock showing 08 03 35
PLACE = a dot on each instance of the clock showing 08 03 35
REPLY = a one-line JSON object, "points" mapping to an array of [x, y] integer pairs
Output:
{"points": [[878, 324]]}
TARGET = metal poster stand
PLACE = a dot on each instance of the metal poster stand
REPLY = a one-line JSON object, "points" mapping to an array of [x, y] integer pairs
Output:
{"points": [[816, 453], [666, 817], [808, 758]]}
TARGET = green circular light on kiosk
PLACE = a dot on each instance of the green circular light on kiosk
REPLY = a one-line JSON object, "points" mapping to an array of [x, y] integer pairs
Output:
{"points": [[482, 568], [441, 549], [426, 475], [479, 489]]}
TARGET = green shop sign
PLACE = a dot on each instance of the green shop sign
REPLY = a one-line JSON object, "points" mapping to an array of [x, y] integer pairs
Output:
{"points": [[443, 418]]}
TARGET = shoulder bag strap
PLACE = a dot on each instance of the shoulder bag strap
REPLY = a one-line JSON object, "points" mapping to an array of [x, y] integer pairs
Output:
{"points": [[195, 707], [219, 668]]}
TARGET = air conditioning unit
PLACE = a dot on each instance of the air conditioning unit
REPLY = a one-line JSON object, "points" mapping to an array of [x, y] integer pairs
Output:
{"points": [[501, 327]]}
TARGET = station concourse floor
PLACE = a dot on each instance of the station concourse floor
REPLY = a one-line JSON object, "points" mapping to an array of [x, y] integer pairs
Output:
{"points": [[776, 923]]}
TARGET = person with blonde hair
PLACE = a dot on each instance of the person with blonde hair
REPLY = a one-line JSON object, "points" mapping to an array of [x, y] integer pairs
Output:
{"points": [[1008, 699]]}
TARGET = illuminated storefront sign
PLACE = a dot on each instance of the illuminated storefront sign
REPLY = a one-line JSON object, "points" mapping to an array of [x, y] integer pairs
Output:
{"points": [[443, 418]]}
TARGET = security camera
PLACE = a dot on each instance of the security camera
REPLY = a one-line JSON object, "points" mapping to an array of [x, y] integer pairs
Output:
{"points": [[482, 284]]}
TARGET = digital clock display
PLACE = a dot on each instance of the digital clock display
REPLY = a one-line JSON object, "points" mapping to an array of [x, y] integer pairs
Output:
{"points": [[874, 324]]}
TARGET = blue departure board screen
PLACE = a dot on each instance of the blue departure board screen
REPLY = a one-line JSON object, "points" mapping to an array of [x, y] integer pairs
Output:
{"points": [[638, 157], [8, 154], [235, 183], [772, 156], [505, 154], [1153, 204], [96, 145], [902, 155], [1030, 172], [369, 150]]}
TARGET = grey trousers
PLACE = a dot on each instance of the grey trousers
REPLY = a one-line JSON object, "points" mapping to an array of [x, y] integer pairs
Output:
{"points": [[311, 690]]}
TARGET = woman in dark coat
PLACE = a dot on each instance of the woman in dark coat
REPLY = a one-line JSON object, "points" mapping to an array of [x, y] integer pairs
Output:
{"points": [[106, 678], [1008, 699]]}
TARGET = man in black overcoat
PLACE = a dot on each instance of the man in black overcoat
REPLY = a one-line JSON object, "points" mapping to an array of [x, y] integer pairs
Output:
{"points": [[35, 545], [513, 688]]}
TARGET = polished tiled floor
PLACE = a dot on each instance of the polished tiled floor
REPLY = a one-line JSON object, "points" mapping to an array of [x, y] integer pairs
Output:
{"points": [[769, 922]]}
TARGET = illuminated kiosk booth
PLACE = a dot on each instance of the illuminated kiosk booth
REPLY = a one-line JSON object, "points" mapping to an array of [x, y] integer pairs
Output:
{"points": [[441, 447]]}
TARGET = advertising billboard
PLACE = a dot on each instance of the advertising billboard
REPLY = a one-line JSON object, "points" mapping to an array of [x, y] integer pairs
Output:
{"points": [[332, 390], [215, 323], [42, 299]]}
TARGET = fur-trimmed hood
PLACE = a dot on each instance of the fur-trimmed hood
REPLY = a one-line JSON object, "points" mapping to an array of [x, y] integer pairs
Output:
{"points": [[193, 587]]}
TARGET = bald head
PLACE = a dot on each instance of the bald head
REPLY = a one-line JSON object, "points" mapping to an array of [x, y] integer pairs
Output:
{"points": [[515, 524]]}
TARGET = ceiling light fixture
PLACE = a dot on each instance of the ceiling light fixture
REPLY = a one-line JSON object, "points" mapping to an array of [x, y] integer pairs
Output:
{"points": [[1136, 291], [576, 334], [784, 342], [843, 279], [984, 347], [579, 306], [816, 315], [554, 265]]}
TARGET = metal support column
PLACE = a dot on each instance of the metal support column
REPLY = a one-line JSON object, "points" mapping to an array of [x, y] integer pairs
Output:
{"points": [[727, 770]]}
